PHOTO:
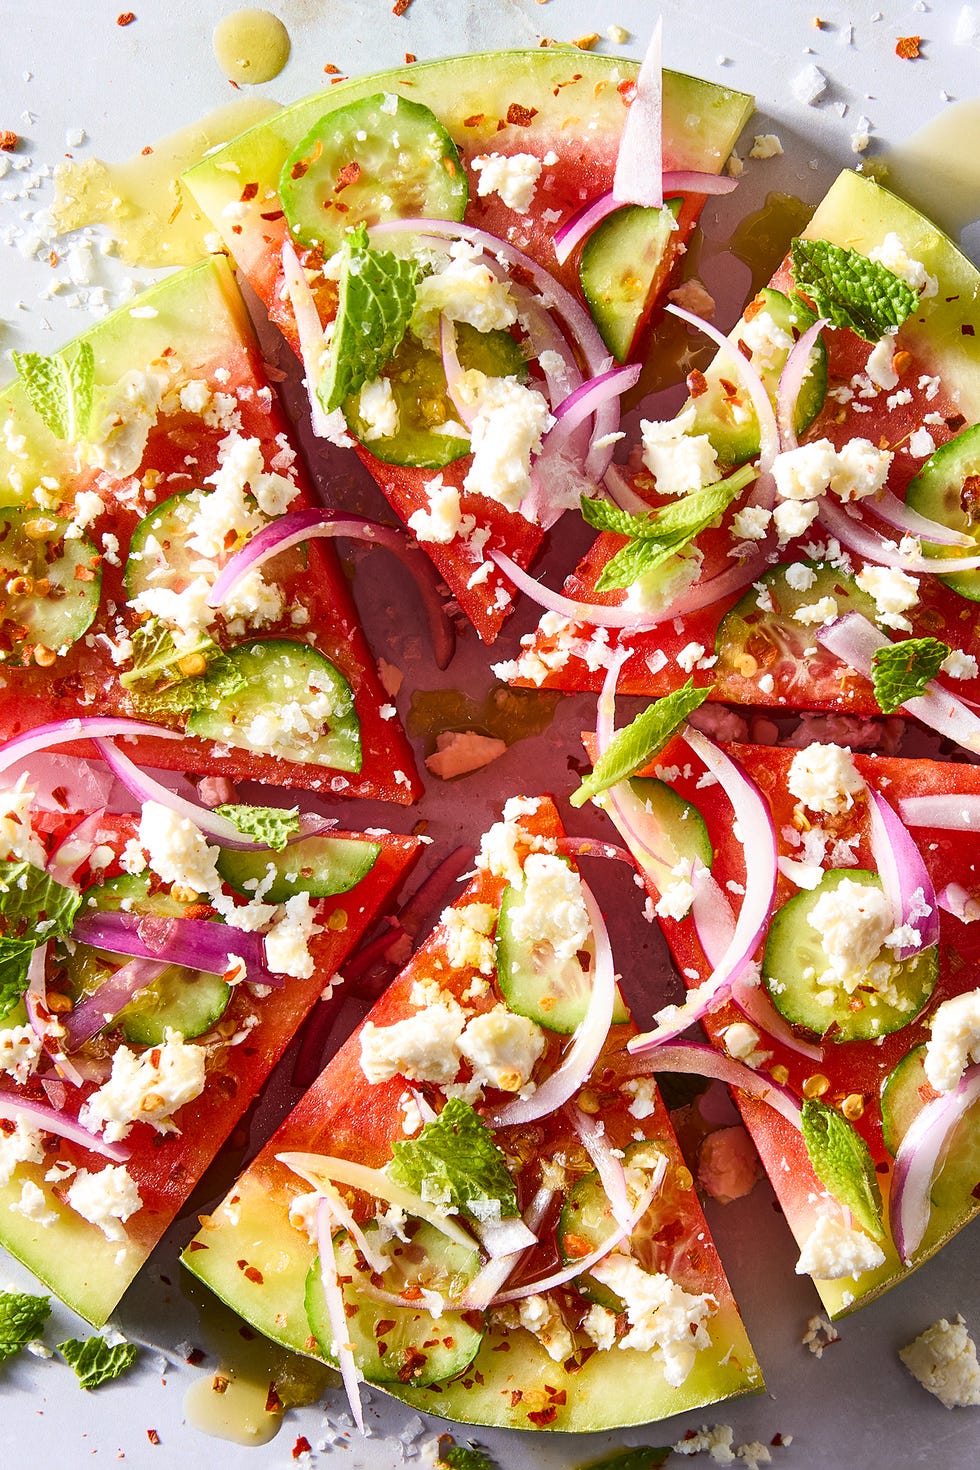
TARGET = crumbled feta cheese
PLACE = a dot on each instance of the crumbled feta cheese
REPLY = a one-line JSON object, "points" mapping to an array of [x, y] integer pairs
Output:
{"points": [[127, 413], [805, 472], [833, 1250], [891, 253], [106, 1198], [465, 289], [680, 462], [287, 944], [959, 665], [552, 917], [751, 523], [502, 1048], [663, 1318], [23, 1145], [944, 1360], [507, 427], [824, 778], [800, 577], [541, 1316], [821, 612], [742, 1042], [177, 850], [853, 921], [862, 469], [421, 1048], [879, 364], [645, 1096], [793, 517], [894, 592], [954, 1041], [765, 145], [20, 1048], [33, 1204], [921, 443], [501, 845], [468, 932], [146, 1088], [443, 520], [677, 895], [768, 342], [514, 177], [87, 508], [378, 409]]}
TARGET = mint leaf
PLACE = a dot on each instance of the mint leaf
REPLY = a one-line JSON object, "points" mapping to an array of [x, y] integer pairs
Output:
{"points": [[61, 389], [33, 909], [851, 290], [842, 1163], [272, 825], [901, 671], [454, 1161], [635, 744], [157, 683], [94, 1361], [463, 1457], [640, 1457], [21, 1320], [376, 301], [605, 516], [636, 560]]}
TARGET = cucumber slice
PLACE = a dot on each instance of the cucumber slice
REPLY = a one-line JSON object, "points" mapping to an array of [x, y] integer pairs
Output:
{"points": [[381, 157], [725, 413], [683, 831], [753, 641], [621, 264], [158, 551], [794, 960], [418, 386], [401, 1344], [295, 705], [947, 489], [586, 1221], [319, 866], [52, 586], [904, 1093], [180, 999], [535, 983]]}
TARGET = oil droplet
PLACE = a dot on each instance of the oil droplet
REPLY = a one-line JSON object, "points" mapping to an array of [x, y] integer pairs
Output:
{"points": [[762, 238], [251, 46], [938, 168], [142, 202], [256, 1381], [506, 714]]}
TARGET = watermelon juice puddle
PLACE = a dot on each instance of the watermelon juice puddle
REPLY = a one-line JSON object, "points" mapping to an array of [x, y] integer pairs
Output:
{"points": [[141, 202], [938, 168]]}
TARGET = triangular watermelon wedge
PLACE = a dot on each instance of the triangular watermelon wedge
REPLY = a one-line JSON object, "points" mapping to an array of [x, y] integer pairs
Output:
{"points": [[562, 109]]}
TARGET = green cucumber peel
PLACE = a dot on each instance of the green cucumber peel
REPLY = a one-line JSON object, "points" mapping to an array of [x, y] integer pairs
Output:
{"points": [[842, 1163], [376, 301], [33, 909], [454, 1162], [637, 743], [22, 1317], [850, 290], [95, 1361], [901, 671], [61, 389], [272, 825]]}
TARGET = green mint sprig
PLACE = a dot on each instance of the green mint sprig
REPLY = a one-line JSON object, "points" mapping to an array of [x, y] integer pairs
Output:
{"points": [[61, 389], [637, 743], [850, 290], [376, 301], [842, 1163], [901, 671]]}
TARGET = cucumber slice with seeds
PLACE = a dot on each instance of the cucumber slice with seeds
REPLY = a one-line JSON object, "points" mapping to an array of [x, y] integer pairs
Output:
{"points": [[795, 960], [51, 585], [586, 1220], [621, 263], [381, 157], [401, 1344], [947, 489], [295, 705], [319, 866], [904, 1093], [158, 552]]}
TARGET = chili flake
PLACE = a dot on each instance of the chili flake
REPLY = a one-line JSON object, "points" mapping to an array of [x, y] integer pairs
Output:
{"points": [[907, 47]]}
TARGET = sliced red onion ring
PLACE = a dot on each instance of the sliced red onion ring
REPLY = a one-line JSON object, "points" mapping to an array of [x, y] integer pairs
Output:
{"points": [[894, 512], [855, 640], [197, 944], [904, 876], [453, 370], [796, 368], [585, 1263], [612, 1175], [580, 405], [946, 813], [851, 532], [639, 827], [344, 1217], [46, 1027], [622, 492], [318, 1169], [956, 900], [580, 225], [546, 337], [496, 1273], [75, 849], [103, 1005], [758, 837], [66, 732], [312, 342], [918, 1161], [639, 162], [587, 1043], [509, 1236], [696, 1058], [764, 411], [306, 525], [54, 1121], [598, 615], [578, 847], [337, 1316]]}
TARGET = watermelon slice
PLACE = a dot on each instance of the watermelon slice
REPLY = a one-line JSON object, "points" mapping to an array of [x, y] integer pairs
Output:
{"points": [[212, 1039], [745, 633], [870, 1071], [96, 517], [533, 1368], [561, 111]]}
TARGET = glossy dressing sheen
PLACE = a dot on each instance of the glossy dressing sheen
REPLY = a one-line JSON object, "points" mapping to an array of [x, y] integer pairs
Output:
{"points": [[251, 46], [938, 168]]}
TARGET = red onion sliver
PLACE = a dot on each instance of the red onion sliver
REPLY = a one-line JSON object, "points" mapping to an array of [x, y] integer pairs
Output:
{"points": [[312, 341], [758, 837], [904, 876], [918, 1159], [307, 525], [197, 944], [75, 849], [597, 614], [585, 1263], [103, 1005], [453, 370], [592, 1136], [579, 405], [946, 813], [45, 1027], [851, 532], [581, 224], [704, 1061], [544, 337], [894, 512], [65, 732], [764, 412], [330, 1277], [956, 900], [145, 788], [54, 1121], [509, 1236], [639, 162], [587, 1043], [622, 492], [791, 380], [495, 1274], [578, 847], [638, 826]]}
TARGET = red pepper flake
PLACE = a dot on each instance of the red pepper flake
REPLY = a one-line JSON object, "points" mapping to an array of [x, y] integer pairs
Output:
{"points": [[474, 120], [8, 140], [626, 90], [197, 1245], [126, 19], [776, 1440], [349, 174], [967, 329], [273, 1403], [195, 1357], [152, 1436], [519, 116], [249, 192], [301, 1447], [907, 47], [331, 70], [697, 383], [409, 57], [413, 1363], [516, 1394], [541, 1417], [146, 150], [400, 6], [272, 214]]}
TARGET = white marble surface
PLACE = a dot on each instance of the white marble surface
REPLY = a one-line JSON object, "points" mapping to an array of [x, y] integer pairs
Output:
{"points": [[69, 67]]}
